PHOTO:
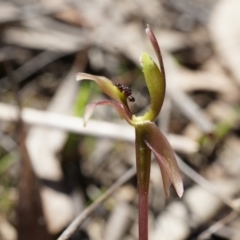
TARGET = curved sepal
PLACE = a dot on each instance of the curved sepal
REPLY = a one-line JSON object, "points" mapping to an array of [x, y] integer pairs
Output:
{"points": [[106, 86], [121, 109], [161, 148], [156, 48]]}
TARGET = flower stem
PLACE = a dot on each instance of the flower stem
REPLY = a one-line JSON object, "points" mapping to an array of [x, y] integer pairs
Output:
{"points": [[143, 158]]}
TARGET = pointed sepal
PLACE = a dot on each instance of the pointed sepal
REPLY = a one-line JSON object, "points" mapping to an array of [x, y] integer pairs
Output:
{"points": [[121, 109], [161, 148], [106, 86]]}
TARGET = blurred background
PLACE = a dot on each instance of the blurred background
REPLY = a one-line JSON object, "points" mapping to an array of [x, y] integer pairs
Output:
{"points": [[52, 168]]}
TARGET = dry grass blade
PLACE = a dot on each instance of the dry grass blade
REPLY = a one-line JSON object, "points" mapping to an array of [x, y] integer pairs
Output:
{"points": [[76, 125], [218, 225], [29, 209], [32, 66], [197, 178], [73, 227], [191, 110]]}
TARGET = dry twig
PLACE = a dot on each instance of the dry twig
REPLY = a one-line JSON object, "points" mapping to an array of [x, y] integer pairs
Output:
{"points": [[73, 227]]}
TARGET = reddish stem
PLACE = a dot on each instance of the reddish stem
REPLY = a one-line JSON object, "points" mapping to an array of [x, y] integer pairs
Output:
{"points": [[143, 158], [143, 215]]}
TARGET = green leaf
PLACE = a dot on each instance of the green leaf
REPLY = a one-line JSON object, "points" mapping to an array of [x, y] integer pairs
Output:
{"points": [[82, 99]]}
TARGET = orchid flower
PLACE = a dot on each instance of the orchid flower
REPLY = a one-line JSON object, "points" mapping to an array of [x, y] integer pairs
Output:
{"points": [[148, 136]]}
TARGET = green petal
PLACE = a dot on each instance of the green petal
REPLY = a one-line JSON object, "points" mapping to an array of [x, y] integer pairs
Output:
{"points": [[106, 86], [156, 86], [161, 148]]}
